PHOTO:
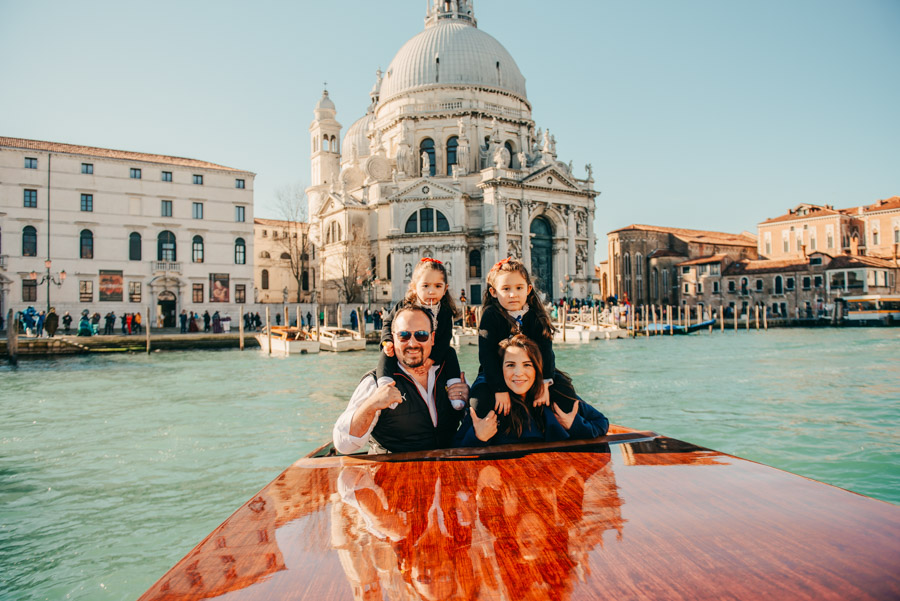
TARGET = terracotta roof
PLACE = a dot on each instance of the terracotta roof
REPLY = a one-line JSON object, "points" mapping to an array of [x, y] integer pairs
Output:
{"points": [[884, 205], [745, 266], [806, 211], [110, 153], [698, 236], [664, 252], [704, 260], [845, 261]]}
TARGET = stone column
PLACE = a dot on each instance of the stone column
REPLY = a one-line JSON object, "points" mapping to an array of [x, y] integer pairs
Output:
{"points": [[590, 246], [460, 262], [502, 242], [526, 234], [570, 237]]}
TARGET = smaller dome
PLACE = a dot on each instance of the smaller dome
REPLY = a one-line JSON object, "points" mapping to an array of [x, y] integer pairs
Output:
{"points": [[325, 102], [357, 136]]}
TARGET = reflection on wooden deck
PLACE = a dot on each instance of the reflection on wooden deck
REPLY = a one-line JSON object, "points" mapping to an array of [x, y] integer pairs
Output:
{"points": [[649, 519]]}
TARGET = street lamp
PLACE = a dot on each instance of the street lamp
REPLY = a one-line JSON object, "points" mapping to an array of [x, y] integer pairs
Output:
{"points": [[58, 279]]}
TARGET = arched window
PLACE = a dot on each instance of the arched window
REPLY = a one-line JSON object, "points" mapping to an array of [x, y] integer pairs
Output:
{"points": [[626, 267], [452, 145], [305, 281], [134, 247], [29, 241], [779, 285], [240, 252], [427, 146], [638, 262], [285, 257], [86, 244], [265, 255], [475, 264], [165, 246], [512, 153], [423, 221], [654, 283], [264, 276], [387, 262], [744, 284], [197, 249]]}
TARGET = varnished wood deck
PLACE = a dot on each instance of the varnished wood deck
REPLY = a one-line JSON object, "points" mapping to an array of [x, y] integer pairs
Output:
{"points": [[629, 516]]}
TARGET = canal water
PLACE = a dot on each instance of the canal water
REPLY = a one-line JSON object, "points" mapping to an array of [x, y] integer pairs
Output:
{"points": [[112, 467]]}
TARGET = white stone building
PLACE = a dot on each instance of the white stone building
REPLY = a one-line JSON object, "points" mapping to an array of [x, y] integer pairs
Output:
{"points": [[448, 163], [130, 230], [283, 269]]}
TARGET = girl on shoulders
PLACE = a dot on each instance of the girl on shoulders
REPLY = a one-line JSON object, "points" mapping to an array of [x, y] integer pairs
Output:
{"points": [[526, 421], [428, 289], [511, 306]]}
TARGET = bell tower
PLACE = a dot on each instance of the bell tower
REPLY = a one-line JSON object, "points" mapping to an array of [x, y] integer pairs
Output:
{"points": [[325, 140]]}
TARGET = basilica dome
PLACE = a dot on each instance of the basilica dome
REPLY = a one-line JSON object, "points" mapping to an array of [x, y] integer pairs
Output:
{"points": [[357, 136], [452, 53]]}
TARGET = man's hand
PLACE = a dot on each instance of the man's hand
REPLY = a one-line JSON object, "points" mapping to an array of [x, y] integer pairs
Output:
{"points": [[384, 397], [502, 403], [484, 428], [388, 348], [460, 390], [544, 397], [565, 419]]}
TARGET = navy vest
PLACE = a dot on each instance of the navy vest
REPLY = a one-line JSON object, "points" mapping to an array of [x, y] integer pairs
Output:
{"points": [[408, 427]]}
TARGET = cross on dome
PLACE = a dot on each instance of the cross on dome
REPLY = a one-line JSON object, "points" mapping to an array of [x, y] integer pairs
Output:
{"points": [[461, 11]]}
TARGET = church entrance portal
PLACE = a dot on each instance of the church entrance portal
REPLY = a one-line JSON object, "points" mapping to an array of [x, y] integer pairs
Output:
{"points": [[166, 304], [542, 255]]}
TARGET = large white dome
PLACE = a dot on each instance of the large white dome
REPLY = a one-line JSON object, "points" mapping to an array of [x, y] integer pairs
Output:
{"points": [[452, 53]]}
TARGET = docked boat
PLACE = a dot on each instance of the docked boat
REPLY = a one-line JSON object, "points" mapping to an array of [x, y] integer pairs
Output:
{"points": [[661, 328], [464, 336], [631, 515], [872, 310], [341, 339], [577, 333], [287, 340]]}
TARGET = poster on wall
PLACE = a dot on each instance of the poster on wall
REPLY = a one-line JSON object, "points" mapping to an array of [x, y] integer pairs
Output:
{"points": [[218, 287], [110, 286]]}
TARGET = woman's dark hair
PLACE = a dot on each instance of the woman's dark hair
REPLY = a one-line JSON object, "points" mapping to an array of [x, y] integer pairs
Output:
{"points": [[419, 272], [534, 303], [520, 408]]}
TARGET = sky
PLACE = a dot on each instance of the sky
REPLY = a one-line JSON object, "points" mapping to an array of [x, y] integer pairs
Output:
{"points": [[703, 114]]}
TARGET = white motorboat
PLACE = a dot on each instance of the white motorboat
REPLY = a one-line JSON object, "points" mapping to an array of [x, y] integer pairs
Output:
{"points": [[341, 339], [287, 341], [464, 336]]}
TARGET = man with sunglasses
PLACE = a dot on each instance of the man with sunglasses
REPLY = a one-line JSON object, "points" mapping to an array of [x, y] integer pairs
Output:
{"points": [[414, 412]]}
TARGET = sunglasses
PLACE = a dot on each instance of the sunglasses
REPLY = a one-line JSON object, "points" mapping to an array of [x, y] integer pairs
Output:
{"points": [[405, 335]]}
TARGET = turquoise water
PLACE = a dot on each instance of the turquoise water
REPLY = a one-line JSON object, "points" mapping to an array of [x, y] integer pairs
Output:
{"points": [[112, 467]]}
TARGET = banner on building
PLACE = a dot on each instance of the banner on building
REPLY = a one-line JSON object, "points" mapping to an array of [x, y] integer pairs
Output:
{"points": [[218, 287], [110, 286]]}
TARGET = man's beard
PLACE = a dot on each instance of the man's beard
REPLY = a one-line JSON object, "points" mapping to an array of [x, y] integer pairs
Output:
{"points": [[413, 363]]}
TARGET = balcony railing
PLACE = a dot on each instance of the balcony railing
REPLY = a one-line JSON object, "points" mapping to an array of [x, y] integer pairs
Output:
{"points": [[166, 266], [454, 106]]}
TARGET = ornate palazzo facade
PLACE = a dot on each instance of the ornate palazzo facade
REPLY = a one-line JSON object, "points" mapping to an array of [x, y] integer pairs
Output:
{"points": [[447, 162]]}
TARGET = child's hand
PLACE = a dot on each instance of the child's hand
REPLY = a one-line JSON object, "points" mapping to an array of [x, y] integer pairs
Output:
{"points": [[565, 419], [389, 348], [502, 403], [544, 397], [484, 428]]}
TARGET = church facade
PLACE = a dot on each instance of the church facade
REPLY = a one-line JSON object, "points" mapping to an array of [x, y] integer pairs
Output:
{"points": [[446, 163]]}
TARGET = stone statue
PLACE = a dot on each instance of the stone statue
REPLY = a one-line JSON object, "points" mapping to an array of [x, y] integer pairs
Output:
{"points": [[407, 271], [523, 160], [512, 218], [461, 127], [537, 140], [580, 224], [552, 144], [571, 168], [426, 164], [501, 157], [590, 171], [545, 147]]}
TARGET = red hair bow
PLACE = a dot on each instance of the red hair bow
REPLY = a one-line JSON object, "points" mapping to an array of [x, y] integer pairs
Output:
{"points": [[430, 260], [502, 261]]}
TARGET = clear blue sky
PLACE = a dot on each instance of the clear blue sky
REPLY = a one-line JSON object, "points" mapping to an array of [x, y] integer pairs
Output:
{"points": [[708, 114]]}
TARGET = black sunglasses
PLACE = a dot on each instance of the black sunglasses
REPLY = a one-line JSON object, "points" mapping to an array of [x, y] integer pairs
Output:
{"points": [[405, 335]]}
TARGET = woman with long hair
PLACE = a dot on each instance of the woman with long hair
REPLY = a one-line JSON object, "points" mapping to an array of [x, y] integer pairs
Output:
{"points": [[522, 368]]}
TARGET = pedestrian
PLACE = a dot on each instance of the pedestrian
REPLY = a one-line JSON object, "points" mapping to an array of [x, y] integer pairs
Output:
{"points": [[206, 320], [278, 319], [309, 321], [217, 323], [67, 322], [129, 319], [39, 329], [51, 323], [95, 323], [354, 320], [183, 319], [136, 323], [124, 323]]}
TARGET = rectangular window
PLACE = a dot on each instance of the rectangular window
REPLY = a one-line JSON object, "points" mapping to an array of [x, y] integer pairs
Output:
{"points": [[812, 242], [30, 199], [86, 291], [87, 168], [685, 270], [818, 281], [239, 214], [166, 208], [731, 286], [787, 244], [198, 180], [699, 288], [197, 210], [29, 290], [134, 292], [768, 247], [815, 260], [197, 295], [701, 269], [239, 183], [166, 176], [715, 287], [687, 288], [87, 203], [759, 285], [789, 284], [30, 163], [135, 173], [240, 293], [806, 282]]}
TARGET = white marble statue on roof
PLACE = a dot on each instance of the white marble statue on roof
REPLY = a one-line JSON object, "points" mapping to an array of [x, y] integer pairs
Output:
{"points": [[452, 101]]}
